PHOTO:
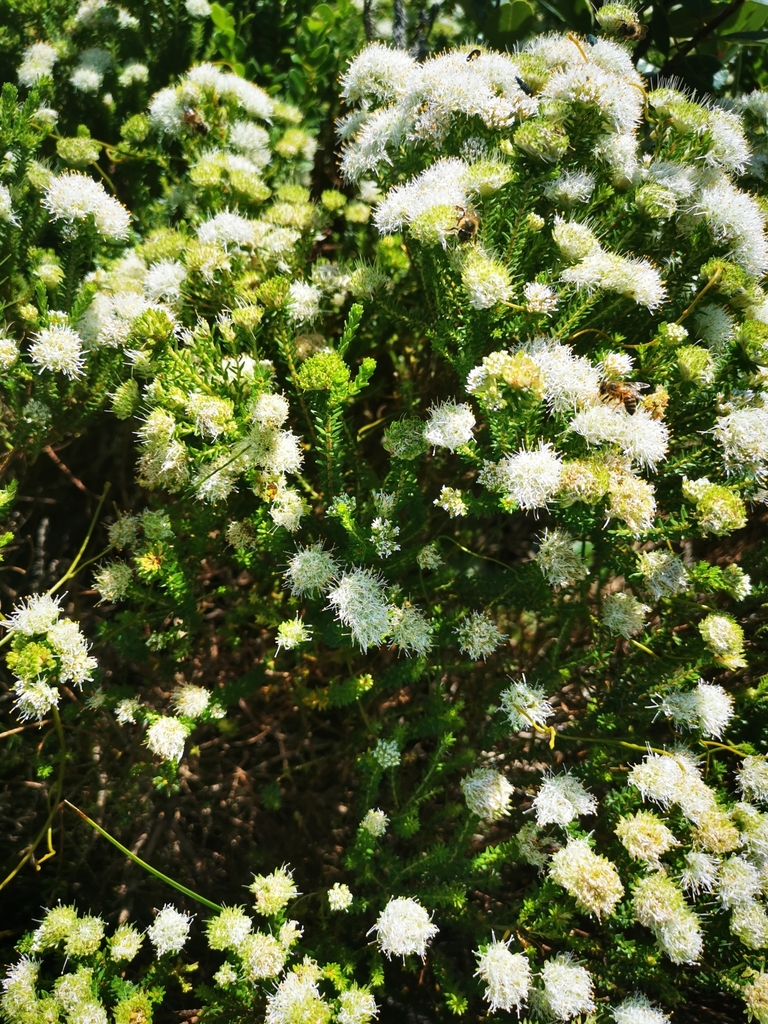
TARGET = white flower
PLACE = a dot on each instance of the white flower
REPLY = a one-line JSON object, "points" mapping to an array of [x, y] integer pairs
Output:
{"points": [[86, 79], [166, 738], [450, 425], [530, 478], [488, 793], [700, 872], [262, 956], [375, 822], [228, 929], [37, 63], [270, 410], [125, 943], [228, 228], [360, 603], [36, 614], [126, 711], [9, 352], [571, 187], [567, 988], [71, 197], [198, 8], [356, 1006], [752, 778], [486, 281], [339, 897], [6, 206], [569, 381], [58, 349], [191, 701], [638, 1010], [296, 998], [645, 837], [525, 705], [540, 298], [310, 571], [169, 931], [561, 799], [113, 580], [623, 614], [590, 878], [377, 72], [451, 501], [410, 630], [664, 573], [164, 280], [478, 635], [287, 509], [35, 699], [738, 883], [507, 976], [274, 891], [558, 560], [708, 708], [291, 633], [303, 301], [404, 927], [735, 219], [743, 436], [387, 754]]}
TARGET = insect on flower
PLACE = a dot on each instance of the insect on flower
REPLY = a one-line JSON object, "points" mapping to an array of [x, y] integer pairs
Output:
{"points": [[473, 55], [194, 120], [632, 31], [466, 223], [621, 392]]}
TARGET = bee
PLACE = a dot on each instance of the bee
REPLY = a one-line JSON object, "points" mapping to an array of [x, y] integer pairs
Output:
{"points": [[632, 30], [622, 392], [473, 55], [194, 120], [524, 86], [466, 223]]}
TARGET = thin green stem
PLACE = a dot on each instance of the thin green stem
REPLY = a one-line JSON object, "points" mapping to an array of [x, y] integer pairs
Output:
{"points": [[75, 566], [54, 803], [143, 863], [486, 558]]}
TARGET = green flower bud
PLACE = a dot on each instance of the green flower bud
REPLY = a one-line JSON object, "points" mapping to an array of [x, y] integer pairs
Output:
{"points": [[332, 200], [135, 129], [78, 152], [405, 439], [125, 399], [325, 371], [542, 141], [695, 364]]}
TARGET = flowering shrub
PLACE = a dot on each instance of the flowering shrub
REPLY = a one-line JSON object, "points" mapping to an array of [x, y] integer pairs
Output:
{"points": [[473, 445]]}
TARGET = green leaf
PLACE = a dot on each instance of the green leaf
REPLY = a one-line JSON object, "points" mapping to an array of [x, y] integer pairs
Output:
{"points": [[222, 19], [513, 16]]}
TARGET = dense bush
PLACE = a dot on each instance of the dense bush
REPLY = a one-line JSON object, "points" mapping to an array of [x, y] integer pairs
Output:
{"points": [[432, 595]]}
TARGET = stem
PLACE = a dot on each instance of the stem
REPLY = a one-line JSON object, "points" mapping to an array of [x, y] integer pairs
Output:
{"points": [[74, 568], [487, 558], [710, 283], [54, 805], [143, 863]]}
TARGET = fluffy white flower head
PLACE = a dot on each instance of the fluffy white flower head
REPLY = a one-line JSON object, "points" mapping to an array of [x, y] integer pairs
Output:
{"points": [[169, 931], [562, 798], [404, 927], [507, 976], [73, 197], [488, 793], [450, 425]]}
